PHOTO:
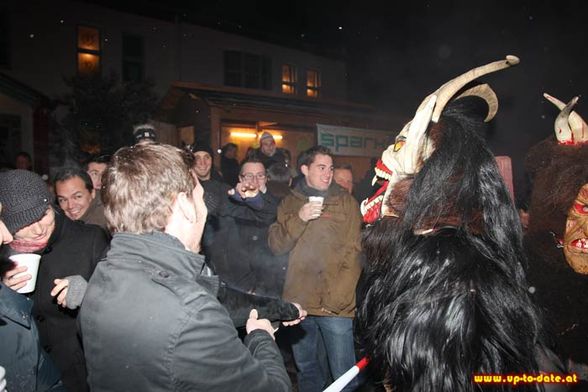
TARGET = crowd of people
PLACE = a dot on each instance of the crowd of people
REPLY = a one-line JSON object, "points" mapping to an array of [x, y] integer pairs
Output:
{"points": [[159, 272]]}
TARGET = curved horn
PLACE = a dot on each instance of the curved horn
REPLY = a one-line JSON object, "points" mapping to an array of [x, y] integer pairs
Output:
{"points": [[579, 129], [563, 132], [485, 92], [448, 90], [560, 105]]}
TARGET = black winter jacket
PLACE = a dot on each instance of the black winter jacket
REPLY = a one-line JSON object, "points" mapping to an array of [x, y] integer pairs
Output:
{"points": [[246, 245]]}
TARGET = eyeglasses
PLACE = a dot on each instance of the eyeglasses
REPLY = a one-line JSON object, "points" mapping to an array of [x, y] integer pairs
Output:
{"points": [[250, 176]]}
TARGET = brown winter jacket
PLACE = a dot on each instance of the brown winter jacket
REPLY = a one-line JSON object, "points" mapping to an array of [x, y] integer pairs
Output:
{"points": [[323, 266]]}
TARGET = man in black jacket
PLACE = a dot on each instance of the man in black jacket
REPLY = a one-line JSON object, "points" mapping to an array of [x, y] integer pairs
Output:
{"points": [[150, 319], [252, 209]]}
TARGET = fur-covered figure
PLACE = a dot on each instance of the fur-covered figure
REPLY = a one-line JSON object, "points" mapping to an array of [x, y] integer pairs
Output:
{"points": [[557, 240], [445, 292]]}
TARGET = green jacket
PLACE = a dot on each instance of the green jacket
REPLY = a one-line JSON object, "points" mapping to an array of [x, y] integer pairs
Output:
{"points": [[323, 265]]}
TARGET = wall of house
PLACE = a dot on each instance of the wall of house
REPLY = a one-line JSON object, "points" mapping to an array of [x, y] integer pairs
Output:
{"points": [[16, 129], [43, 48]]}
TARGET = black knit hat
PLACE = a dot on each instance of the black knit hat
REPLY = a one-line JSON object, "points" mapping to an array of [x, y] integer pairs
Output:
{"points": [[24, 197], [199, 146]]}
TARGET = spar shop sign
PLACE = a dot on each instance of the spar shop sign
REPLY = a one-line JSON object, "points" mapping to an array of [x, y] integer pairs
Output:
{"points": [[353, 141]]}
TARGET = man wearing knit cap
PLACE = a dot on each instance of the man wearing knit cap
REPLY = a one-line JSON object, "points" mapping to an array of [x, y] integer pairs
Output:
{"points": [[267, 152], [33, 370], [204, 162], [69, 252], [215, 192]]}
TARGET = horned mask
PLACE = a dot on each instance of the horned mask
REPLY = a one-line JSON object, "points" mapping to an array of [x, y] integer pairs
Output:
{"points": [[412, 146], [571, 130]]}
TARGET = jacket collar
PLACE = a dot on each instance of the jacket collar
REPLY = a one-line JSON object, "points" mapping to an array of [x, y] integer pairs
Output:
{"points": [[158, 250], [95, 204], [15, 306], [333, 191], [59, 222]]}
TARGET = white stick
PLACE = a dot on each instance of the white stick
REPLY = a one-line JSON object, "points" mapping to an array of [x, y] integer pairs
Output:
{"points": [[346, 378]]}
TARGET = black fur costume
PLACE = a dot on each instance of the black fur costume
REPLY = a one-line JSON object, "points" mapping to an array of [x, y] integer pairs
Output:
{"points": [[446, 295]]}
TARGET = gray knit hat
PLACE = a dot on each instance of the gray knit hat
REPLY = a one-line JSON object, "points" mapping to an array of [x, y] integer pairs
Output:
{"points": [[24, 197]]}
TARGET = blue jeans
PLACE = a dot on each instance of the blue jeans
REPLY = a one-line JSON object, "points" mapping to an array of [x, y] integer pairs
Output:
{"points": [[336, 335]]}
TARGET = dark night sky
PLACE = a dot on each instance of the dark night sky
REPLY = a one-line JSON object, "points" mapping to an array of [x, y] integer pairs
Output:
{"points": [[398, 52]]}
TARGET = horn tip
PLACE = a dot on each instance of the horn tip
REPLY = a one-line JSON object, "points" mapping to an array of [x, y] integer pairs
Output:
{"points": [[512, 60]]}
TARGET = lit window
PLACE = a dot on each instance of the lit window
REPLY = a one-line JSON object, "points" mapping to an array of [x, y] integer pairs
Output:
{"points": [[288, 79], [313, 83], [88, 50]]}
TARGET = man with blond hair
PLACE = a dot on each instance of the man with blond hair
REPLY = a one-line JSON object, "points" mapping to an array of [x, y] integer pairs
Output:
{"points": [[150, 319]]}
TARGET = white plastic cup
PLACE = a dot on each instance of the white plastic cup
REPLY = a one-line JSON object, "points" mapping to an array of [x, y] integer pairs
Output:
{"points": [[31, 261], [316, 199]]}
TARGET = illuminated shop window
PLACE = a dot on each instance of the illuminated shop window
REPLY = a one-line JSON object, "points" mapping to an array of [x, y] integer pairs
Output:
{"points": [[289, 79], [88, 50], [313, 83]]}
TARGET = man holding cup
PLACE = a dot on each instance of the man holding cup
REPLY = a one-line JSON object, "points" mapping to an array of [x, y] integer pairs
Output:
{"points": [[319, 225], [69, 253], [24, 366]]}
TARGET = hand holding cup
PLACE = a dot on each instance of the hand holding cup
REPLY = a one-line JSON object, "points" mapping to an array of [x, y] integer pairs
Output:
{"points": [[23, 277], [311, 210], [16, 278]]}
